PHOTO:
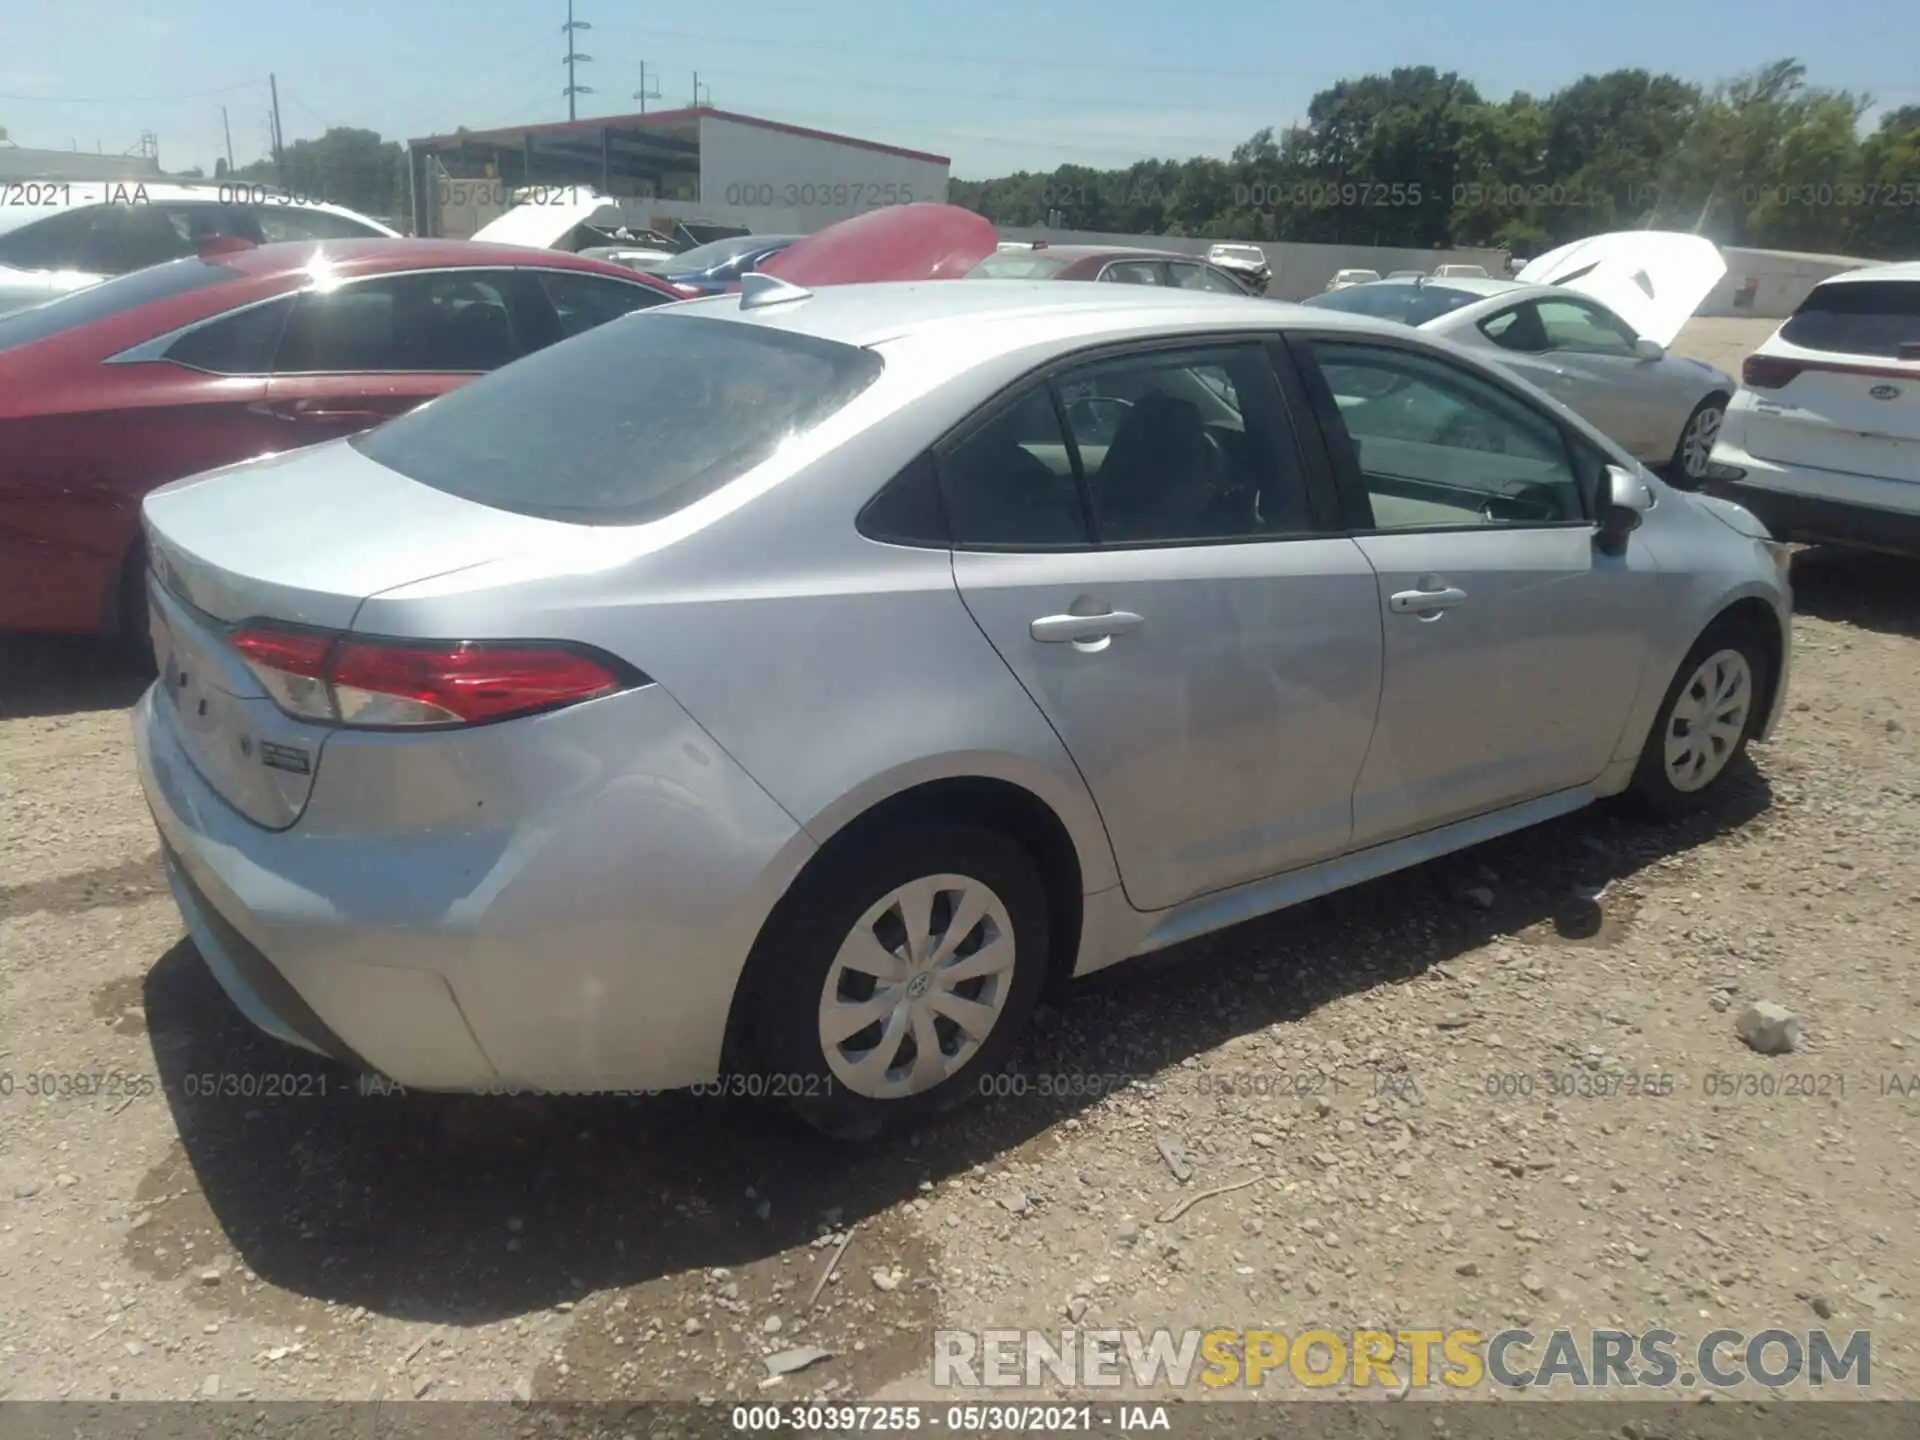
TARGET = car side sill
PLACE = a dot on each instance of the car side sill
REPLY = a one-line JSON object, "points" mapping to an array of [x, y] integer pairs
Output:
{"points": [[1246, 902]]}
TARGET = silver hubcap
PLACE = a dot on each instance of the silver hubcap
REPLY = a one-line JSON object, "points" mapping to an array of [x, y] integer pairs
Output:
{"points": [[917, 987], [1708, 720], [1696, 446]]}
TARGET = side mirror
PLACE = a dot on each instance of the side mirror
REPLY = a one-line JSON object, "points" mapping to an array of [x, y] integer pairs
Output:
{"points": [[1649, 349], [1623, 506]]}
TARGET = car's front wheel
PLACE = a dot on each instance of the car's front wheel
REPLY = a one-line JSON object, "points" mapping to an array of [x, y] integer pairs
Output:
{"points": [[1694, 449], [1709, 713], [901, 973]]}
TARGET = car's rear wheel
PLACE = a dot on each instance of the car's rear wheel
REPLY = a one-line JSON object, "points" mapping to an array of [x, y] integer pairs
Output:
{"points": [[1709, 713], [1694, 449], [901, 972]]}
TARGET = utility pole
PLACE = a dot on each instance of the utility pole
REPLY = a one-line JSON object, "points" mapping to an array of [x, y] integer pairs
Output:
{"points": [[645, 92], [228, 129], [573, 88], [696, 92], [279, 153]]}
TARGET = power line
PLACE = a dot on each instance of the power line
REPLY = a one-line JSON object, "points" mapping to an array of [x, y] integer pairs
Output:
{"points": [[133, 99]]}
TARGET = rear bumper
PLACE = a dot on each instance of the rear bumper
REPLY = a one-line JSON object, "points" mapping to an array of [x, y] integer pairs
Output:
{"points": [[1810, 505], [590, 939]]}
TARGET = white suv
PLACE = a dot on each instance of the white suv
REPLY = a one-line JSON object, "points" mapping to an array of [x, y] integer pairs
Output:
{"points": [[1823, 440]]}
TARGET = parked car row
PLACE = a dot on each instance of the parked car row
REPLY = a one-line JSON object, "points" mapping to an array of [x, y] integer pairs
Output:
{"points": [[793, 681]]}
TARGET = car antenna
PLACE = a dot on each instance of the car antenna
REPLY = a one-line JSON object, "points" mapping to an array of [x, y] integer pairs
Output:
{"points": [[757, 290]]}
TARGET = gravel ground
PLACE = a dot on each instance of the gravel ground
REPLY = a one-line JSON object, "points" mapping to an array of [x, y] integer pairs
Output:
{"points": [[1383, 1065]]}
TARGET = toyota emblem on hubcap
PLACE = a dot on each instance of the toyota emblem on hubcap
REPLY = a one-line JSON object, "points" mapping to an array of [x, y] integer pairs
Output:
{"points": [[1885, 392], [917, 986]]}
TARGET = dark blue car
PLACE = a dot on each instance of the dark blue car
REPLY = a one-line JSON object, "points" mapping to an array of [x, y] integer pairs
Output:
{"points": [[717, 266]]}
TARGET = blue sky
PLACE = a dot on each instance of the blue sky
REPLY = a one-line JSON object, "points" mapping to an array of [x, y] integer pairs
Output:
{"points": [[997, 85]]}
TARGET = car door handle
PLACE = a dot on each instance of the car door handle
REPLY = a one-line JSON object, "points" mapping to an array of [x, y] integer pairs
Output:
{"points": [[319, 412], [1055, 628], [1421, 602]]}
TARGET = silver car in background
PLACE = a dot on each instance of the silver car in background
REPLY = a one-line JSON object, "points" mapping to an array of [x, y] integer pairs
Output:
{"points": [[790, 684], [1568, 340]]}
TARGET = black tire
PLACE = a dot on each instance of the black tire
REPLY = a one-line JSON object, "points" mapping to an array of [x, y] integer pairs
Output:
{"points": [[788, 972], [1652, 786], [136, 632], [1678, 474]]}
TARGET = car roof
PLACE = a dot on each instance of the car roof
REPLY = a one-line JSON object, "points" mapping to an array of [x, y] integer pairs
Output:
{"points": [[1898, 270], [78, 195], [372, 256], [867, 315]]}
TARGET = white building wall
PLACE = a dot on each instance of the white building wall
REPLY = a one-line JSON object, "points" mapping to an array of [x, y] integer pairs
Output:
{"points": [[1770, 284], [775, 182]]}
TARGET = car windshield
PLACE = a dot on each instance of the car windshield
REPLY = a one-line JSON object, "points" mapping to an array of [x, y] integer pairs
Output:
{"points": [[109, 298], [1013, 265], [1408, 304], [1857, 317], [714, 252], [626, 423]]}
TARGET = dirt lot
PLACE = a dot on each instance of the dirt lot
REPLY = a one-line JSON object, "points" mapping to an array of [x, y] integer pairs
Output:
{"points": [[1380, 1061]]}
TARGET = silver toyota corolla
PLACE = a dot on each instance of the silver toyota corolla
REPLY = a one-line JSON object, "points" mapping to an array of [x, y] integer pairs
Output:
{"points": [[791, 682]]}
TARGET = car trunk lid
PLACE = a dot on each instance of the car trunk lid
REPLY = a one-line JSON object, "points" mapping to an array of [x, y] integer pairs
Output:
{"points": [[1652, 279], [898, 242], [301, 539]]}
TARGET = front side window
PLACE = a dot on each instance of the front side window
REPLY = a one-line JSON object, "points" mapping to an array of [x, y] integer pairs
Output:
{"points": [[452, 321], [59, 242], [583, 301], [1437, 446], [1203, 277], [627, 422], [1579, 326]]}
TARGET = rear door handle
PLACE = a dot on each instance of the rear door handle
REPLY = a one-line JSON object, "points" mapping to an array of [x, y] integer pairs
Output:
{"points": [[1421, 602], [319, 412], [1055, 628]]}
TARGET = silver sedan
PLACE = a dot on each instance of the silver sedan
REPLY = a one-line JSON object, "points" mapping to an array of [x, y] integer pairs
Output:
{"points": [[1665, 409], [787, 685]]}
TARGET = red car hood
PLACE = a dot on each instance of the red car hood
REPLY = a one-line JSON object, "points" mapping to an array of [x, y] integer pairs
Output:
{"points": [[900, 242]]}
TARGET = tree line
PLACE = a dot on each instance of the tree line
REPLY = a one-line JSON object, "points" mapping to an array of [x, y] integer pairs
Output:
{"points": [[1420, 158]]}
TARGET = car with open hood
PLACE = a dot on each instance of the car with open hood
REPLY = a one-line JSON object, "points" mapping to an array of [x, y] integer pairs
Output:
{"points": [[58, 236], [790, 686], [1112, 264], [1823, 439], [242, 351], [1589, 323]]}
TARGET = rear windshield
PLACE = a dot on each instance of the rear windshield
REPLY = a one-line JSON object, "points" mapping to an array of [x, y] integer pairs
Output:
{"points": [[1409, 304], [108, 298], [626, 423], [1859, 317], [1016, 266]]}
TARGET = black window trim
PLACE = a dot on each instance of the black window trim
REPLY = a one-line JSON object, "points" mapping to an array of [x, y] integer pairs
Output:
{"points": [[1354, 499], [1017, 392]]}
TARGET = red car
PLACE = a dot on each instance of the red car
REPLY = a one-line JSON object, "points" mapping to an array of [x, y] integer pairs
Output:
{"points": [[112, 391]]}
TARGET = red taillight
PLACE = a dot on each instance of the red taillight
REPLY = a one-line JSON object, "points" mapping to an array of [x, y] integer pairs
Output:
{"points": [[1768, 372], [379, 683]]}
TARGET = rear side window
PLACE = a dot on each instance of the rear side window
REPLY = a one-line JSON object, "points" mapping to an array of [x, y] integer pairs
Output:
{"points": [[110, 297], [625, 423], [1859, 317], [450, 322], [239, 344], [1013, 265]]}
